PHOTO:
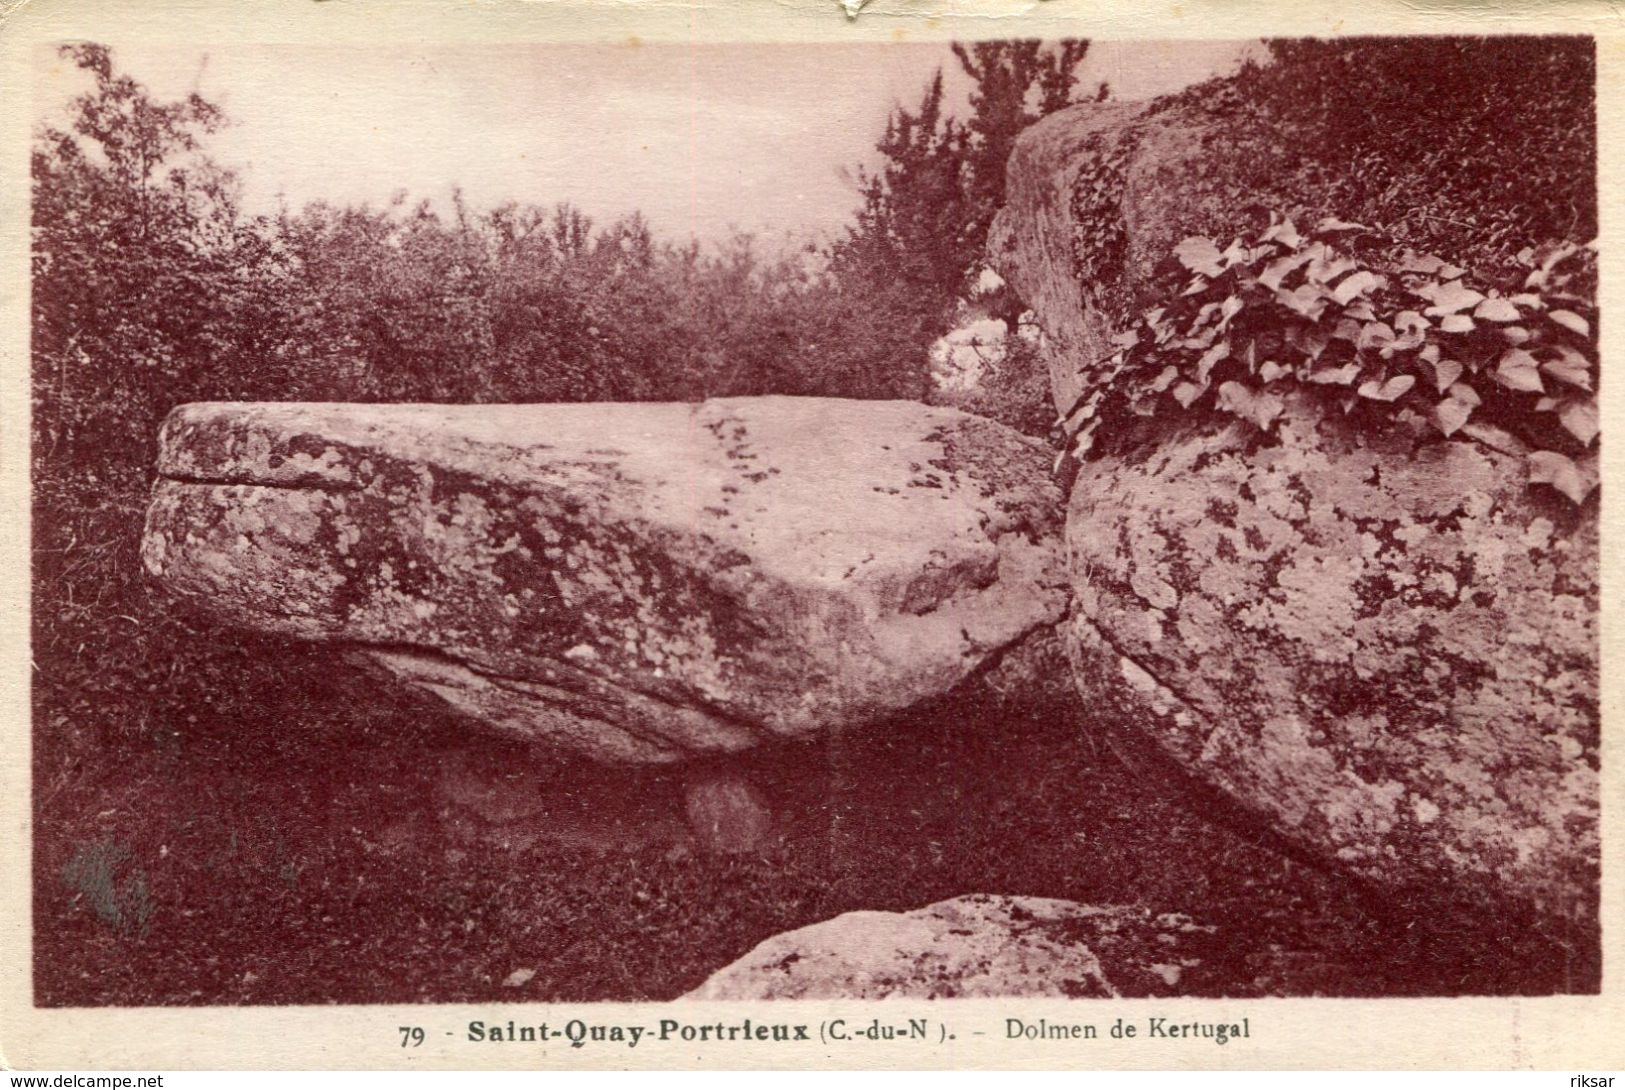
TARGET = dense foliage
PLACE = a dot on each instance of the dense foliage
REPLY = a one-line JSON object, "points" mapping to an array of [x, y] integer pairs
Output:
{"points": [[152, 286], [911, 261], [1414, 343], [1470, 148], [1463, 299]]}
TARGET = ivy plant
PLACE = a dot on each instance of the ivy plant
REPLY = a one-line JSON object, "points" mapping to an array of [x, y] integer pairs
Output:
{"points": [[1412, 342]]}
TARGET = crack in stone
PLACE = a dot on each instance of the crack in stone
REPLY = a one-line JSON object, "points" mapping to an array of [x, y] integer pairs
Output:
{"points": [[317, 484], [539, 690], [1180, 698]]}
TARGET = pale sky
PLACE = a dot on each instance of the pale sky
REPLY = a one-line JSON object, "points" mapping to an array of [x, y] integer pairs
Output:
{"points": [[701, 138]]}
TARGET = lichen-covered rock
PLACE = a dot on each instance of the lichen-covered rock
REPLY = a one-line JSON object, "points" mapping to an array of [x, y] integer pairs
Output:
{"points": [[976, 946], [1388, 654], [1381, 647], [1042, 250], [1096, 196], [641, 583]]}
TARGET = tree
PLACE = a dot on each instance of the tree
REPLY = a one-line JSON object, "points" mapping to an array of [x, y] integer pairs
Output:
{"points": [[1014, 84], [916, 247], [142, 266], [904, 260]]}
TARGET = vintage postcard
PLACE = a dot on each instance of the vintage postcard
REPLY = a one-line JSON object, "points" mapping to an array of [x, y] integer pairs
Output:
{"points": [[969, 535]]}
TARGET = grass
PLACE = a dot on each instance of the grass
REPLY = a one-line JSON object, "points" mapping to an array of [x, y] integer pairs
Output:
{"points": [[227, 820]]}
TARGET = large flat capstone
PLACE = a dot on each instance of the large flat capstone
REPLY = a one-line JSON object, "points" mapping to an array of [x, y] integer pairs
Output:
{"points": [[638, 582]]}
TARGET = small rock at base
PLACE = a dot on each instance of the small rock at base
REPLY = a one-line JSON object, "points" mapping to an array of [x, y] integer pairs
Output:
{"points": [[726, 813]]}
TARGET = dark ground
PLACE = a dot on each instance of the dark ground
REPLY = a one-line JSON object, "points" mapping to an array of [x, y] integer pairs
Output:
{"points": [[221, 821]]}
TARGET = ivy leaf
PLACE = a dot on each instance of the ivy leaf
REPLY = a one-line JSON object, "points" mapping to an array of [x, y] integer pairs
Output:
{"points": [[1092, 406], [1347, 329], [1271, 371], [1529, 300], [1284, 232], [1228, 310], [1187, 392], [1555, 254], [1279, 269], [1496, 309], [1311, 341], [1410, 340], [1162, 329], [1324, 269], [1546, 404], [1580, 417], [1082, 408], [1261, 409], [1355, 285], [1411, 420], [1199, 255], [1210, 359], [1426, 264], [1450, 414], [1408, 321], [1571, 321], [1464, 393], [1308, 300], [1516, 335], [1332, 225], [1165, 379], [1197, 286], [1391, 390], [1570, 366], [1084, 440], [1457, 323], [1559, 471], [1235, 253], [1496, 438], [1445, 373], [1339, 376], [1518, 370], [1374, 335], [1449, 298]]}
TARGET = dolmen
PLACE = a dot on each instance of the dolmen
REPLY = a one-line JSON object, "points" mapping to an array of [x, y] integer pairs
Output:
{"points": [[649, 583]]}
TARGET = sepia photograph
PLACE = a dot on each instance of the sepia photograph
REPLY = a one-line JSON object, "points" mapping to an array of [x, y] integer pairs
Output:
{"points": [[630, 521]]}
